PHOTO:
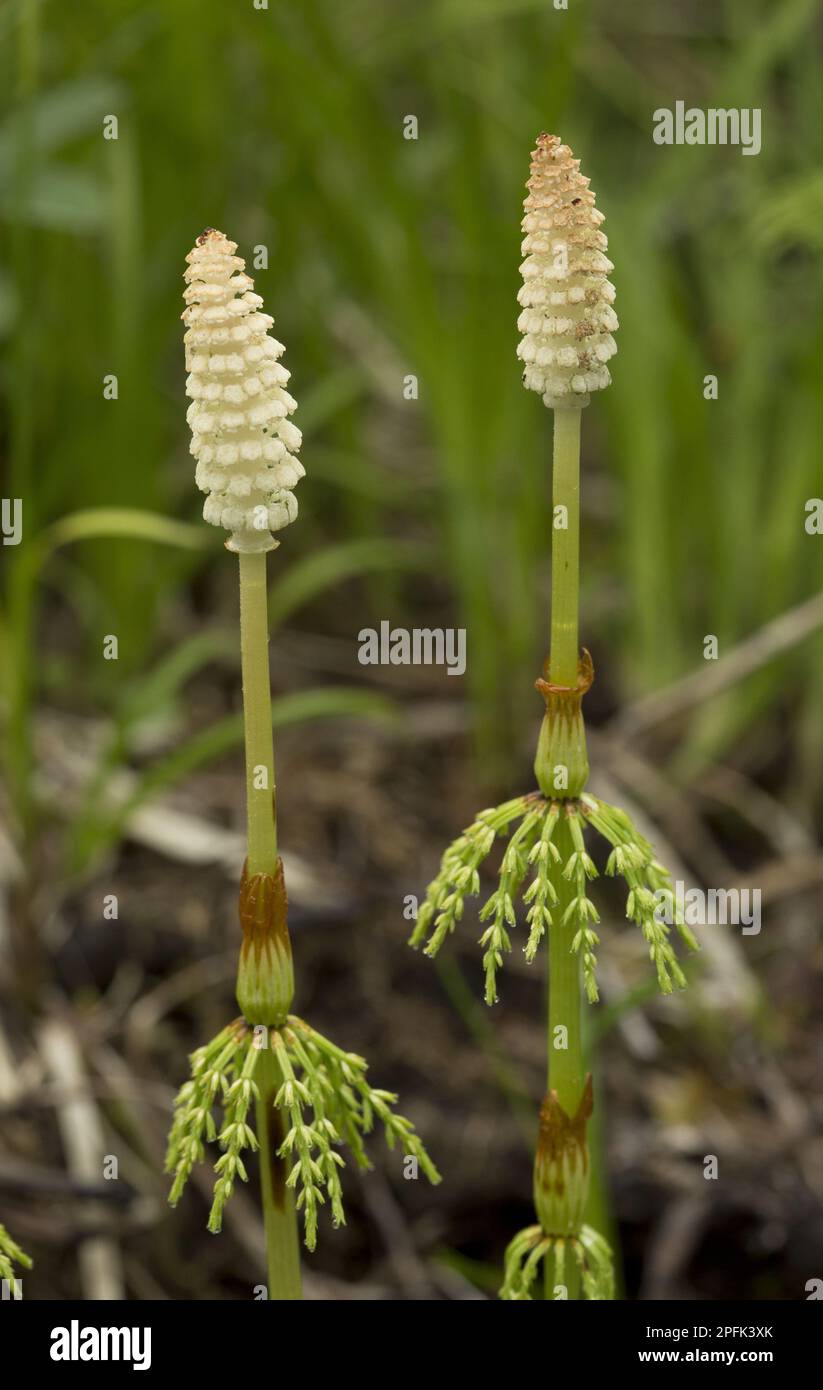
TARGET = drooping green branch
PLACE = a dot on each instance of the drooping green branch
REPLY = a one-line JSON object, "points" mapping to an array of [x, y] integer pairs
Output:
{"points": [[10, 1256], [323, 1102]]}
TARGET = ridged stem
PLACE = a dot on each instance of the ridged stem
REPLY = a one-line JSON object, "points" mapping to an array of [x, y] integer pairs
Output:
{"points": [[254, 651], [565, 1065], [563, 652], [279, 1216]]}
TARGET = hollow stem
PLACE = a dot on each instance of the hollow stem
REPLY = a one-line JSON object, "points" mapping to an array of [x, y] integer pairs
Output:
{"points": [[254, 651], [565, 1064], [563, 651], [279, 1216]]}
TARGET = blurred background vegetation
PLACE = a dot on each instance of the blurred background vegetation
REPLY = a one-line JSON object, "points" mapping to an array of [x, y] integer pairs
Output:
{"points": [[388, 257]]}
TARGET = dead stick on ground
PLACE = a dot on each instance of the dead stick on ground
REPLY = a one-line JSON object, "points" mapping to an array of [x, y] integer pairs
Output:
{"points": [[101, 1272], [770, 641]]}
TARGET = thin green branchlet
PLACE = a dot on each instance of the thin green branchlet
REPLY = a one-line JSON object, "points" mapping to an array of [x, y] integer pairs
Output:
{"points": [[586, 1255], [11, 1255], [268, 1083], [325, 1099], [534, 858], [567, 322]]}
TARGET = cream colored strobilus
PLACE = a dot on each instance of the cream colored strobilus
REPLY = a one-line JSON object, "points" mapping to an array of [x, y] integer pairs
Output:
{"points": [[567, 321], [242, 437], [567, 318], [278, 1084]]}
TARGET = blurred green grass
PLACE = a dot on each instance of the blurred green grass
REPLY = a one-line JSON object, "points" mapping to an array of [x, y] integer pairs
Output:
{"points": [[390, 256]]}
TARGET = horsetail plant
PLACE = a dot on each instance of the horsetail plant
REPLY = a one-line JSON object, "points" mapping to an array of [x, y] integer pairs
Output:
{"points": [[282, 1087], [11, 1255], [567, 321]]}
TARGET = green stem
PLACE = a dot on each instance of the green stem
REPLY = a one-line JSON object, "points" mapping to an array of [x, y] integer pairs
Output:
{"points": [[279, 1216], [563, 652], [565, 1065], [254, 651]]}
